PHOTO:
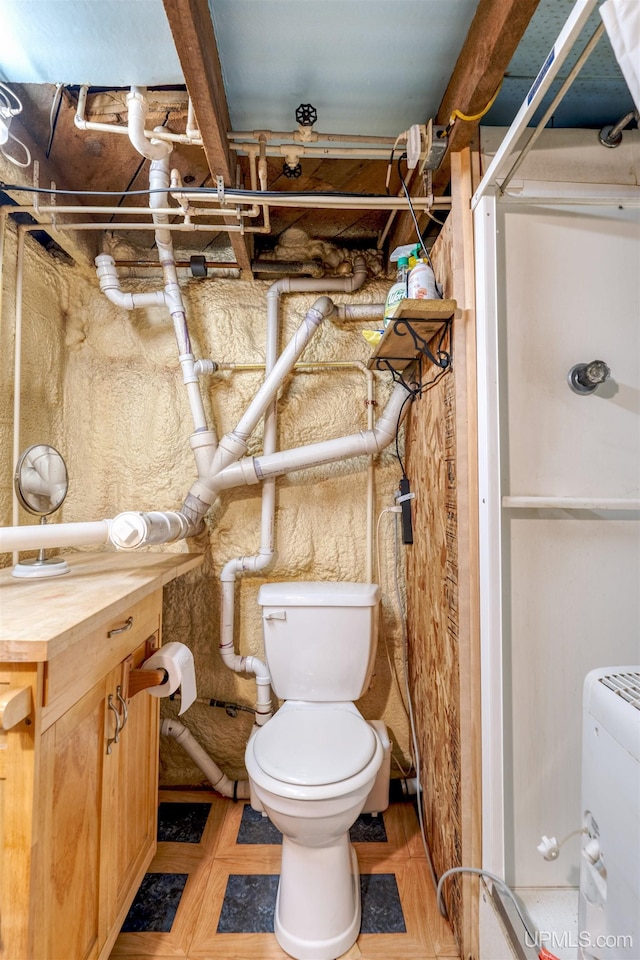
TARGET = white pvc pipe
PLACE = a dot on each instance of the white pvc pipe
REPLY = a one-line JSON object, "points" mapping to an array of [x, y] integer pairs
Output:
{"points": [[17, 370], [42, 536], [238, 789], [137, 106], [234, 444], [159, 177], [366, 443], [260, 561], [110, 286]]}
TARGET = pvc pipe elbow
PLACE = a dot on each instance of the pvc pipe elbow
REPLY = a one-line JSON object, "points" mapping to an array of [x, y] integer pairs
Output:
{"points": [[137, 105]]}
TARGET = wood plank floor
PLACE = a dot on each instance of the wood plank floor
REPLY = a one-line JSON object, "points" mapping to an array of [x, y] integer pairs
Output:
{"points": [[203, 869]]}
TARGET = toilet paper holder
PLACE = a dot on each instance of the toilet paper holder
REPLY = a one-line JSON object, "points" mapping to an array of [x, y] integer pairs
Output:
{"points": [[137, 679]]}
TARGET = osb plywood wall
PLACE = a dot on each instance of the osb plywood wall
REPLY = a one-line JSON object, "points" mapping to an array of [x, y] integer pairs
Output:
{"points": [[442, 579], [432, 584], [103, 385]]}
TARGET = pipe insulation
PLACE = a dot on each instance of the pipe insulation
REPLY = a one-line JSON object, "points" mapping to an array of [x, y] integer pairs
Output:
{"points": [[237, 789]]}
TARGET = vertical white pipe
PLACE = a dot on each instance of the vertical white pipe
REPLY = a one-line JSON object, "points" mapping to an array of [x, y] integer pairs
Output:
{"points": [[159, 178], [17, 370], [371, 492]]}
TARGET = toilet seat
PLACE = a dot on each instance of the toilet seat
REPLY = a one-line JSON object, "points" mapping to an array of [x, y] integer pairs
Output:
{"points": [[315, 747], [315, 752]]}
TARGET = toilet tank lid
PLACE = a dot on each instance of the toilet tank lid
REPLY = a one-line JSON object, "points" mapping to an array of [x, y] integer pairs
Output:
{"points": [[319, 594]]}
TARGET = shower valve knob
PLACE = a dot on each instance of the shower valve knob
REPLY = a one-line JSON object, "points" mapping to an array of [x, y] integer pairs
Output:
{"points": [[585, 377]]}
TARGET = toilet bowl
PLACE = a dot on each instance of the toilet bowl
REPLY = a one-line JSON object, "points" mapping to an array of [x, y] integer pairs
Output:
{"points": [[311, 769], [317, 763]]}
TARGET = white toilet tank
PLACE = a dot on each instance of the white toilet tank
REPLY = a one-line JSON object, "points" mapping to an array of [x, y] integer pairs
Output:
{"points": [[320, 638]]}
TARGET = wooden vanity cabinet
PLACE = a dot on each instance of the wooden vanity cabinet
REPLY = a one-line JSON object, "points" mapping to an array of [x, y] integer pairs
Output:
{"points": [[78, 775]]}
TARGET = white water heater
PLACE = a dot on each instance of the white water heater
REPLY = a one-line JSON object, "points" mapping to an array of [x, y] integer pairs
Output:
{"points": [[608, 912]]}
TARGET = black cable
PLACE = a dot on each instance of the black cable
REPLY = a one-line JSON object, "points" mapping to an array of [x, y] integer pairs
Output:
{"points": [[411, 210], [236, 191], [416, 392]]}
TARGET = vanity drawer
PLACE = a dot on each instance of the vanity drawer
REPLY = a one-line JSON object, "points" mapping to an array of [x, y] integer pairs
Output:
{"points": [[75, 670]]}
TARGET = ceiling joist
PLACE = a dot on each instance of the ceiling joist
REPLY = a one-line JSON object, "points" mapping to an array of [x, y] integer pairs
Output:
{"points": [[192, 30]]}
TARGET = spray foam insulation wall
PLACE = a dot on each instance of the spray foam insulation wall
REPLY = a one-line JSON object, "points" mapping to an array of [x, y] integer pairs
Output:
{"points": [[104, 386]]}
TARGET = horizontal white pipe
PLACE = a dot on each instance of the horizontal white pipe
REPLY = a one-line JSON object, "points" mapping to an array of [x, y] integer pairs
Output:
{"points": [[174, 227], [220, 782], [137, 107], [318, 201], [42, 536], [570, 503], [133, 529], [301, 150], [192, 137], [371, 312], [267, 135]]}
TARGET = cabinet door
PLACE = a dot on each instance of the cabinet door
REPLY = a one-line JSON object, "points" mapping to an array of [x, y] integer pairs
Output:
{"points": [[70, 917], [131, 810]]}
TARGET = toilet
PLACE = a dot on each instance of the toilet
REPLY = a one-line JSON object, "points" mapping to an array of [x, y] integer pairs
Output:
{"points": [[318, 764]]}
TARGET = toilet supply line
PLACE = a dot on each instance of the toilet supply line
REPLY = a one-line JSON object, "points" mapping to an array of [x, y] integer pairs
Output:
{"points": [[235, 789]]}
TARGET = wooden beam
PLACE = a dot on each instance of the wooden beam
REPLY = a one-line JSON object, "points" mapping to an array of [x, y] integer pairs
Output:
{"points": [[494, 34], [79, 245], [192, 30]]}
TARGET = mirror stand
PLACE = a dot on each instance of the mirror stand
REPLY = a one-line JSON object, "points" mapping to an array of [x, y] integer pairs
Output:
{"points": [[40, 484], [40, 566]]}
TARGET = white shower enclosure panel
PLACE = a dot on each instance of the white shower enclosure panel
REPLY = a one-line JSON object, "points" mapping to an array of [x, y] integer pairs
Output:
{"points": [[557, 284]]}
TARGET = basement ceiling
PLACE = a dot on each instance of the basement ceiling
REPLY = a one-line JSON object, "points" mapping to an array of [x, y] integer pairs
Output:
{"points": [[369, 68]]}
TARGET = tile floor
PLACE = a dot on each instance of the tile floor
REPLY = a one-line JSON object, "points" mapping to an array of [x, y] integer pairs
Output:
{"points": [[211, 888]]}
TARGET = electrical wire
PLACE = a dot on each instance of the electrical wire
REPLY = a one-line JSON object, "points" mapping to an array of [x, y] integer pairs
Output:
{"points": [[412, 726], [249, 194], [392, 667], [459, 115], [445, 361], [497, 880], [411, 210], [53, 121], [7, 112], [14, 160], [6, 93]]}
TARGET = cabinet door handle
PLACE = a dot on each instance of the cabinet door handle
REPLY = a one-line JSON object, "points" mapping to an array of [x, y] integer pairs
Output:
{"points": [[125, 709], [125, 626], [116, 737]]}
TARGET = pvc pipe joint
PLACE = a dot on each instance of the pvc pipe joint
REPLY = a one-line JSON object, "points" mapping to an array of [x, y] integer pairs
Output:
{"points": [[137, 106], [130, 529]]}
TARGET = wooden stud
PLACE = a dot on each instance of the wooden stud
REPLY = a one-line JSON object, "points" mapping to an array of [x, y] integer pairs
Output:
{"points": [[192, 30]]}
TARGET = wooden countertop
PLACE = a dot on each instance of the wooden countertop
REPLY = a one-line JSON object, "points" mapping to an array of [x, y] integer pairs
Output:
{"points": [[39, 618]]}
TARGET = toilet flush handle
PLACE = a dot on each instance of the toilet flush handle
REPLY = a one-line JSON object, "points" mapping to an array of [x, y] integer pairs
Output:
{"points": [[276, 615]]}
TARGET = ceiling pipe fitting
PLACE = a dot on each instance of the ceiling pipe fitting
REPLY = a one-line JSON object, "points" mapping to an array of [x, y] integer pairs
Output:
{"points": [[137, 107]]}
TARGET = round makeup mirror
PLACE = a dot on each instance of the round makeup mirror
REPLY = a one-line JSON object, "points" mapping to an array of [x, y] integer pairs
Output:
{"points": [[41, 483]]}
